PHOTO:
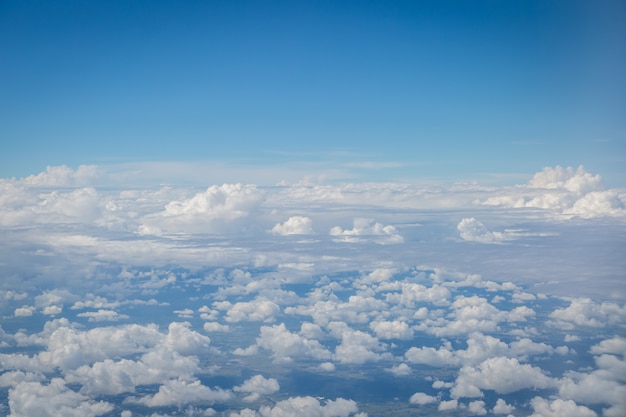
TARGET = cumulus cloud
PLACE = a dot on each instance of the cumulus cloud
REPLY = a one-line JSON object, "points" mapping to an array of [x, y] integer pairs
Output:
{"points": [[256, 386], [559, 408], [179, 392], [285, 345], [206, 212], [420, 398], [33, 399], [500, 374], [364, 229], [568, 191], [295, 225], [501, 407], [474, 231], [256, 310], [103, 315], [588, 313], [305, 407]]}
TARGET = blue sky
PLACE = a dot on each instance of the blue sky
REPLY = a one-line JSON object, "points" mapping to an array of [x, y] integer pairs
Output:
{"points": [[428, 89]]}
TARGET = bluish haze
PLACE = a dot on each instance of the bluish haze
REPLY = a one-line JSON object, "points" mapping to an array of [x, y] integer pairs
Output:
{"points": [[312, 209]]}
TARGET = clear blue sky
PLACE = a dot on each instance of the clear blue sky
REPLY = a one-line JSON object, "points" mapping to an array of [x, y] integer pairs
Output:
{"points": [[448, 88]]}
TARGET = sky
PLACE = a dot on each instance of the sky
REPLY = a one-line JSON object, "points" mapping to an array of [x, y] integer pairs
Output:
{"points": [[375, 90], [312, 209]]}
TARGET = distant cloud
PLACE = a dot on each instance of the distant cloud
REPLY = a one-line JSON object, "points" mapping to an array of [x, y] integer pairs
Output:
{"points": [[296, 225], [570, 192], [364, 229]]}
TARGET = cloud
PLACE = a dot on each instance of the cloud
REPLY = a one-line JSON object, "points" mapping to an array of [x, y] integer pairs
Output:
{"points": [[573, 193], [559, 408], [206, 212], [305, 407], [62, 176], [474, 231], [33, 399], [364, 229], [500, 374], [588, 313], [420, 398], [256, 310], [179, 392], [257, 386], [295, 225], [502, 407], [103, 315], [285, 345]]}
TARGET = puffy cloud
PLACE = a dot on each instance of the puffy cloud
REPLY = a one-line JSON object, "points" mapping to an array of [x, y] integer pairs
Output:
{"points": [[305, 407], [470, 314], [295, 225], [103, 315], [358, 309], [448, 405], [366, 228], [587, 313], [215, 327], [62, 176], [206, 212], [25, 311], [501, 407], [559, 408], [392, 330], [500, 374], [567, 191], [441, 357], [412, 293], [615, 345], [420, 398], [284, 344], [179, 392], [257, 386], [182, 339], [256, 310], [400, 370], [474, 231], [477, 408], [32, 399], [356, 347]]}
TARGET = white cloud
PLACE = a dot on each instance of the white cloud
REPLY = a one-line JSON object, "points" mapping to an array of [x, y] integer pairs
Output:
{"points": [[500, 374], [448, 405], [588, 313], [420, 398], [256, 310], [180, 392], [295, 225], [392, 330], [356, 347], [400, 370], [25, 311], [441, 357], [477, 408], [257, 386], [285, 345], [559, 408], [206, 212], [501, 407], [215, 327], [364, 229], [305, 407], [103, 315], [566, 191], [32, 399], [474, 231]]}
